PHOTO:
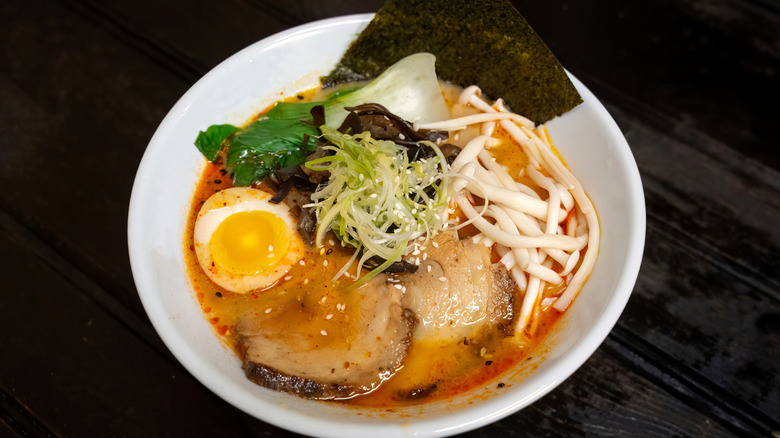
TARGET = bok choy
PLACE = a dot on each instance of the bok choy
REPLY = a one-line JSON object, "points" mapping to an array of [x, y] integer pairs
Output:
{"points": [[286, 134]]}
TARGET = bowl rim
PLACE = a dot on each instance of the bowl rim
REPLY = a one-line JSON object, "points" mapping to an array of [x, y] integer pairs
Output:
{"points": [[451, 423]]}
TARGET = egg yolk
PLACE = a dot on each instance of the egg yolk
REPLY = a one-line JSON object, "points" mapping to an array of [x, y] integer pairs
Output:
{"points": [[250, 242]]}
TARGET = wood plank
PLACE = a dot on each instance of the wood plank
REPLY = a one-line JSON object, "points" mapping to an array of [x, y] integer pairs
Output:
{"points": [[68, 71], [606, 398], [91, 374], [78, 370], [710, 270], [76, 108], [712, 66]]}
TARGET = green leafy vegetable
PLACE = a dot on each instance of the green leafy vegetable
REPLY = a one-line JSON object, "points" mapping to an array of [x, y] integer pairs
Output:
{"points": [[209, 142], [482, 42], [267, 144], [376, 200], [283, 137], [408, 89], [291, 110]]}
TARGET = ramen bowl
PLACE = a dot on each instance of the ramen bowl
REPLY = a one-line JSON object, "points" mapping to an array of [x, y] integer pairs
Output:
{"points": [[292, 61]]}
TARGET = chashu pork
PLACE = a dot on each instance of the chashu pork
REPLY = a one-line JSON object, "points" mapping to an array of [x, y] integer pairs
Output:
{"points": [[289, 362], [457, 292]]}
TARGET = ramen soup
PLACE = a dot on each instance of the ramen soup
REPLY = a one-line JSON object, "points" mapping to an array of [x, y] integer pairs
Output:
{"points": [[405, 261]]}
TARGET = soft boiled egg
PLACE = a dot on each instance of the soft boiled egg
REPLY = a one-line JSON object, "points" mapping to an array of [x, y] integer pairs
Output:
{"points": [[244, 242]]}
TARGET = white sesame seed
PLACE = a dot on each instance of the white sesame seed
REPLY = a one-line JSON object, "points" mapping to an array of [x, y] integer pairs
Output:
{"points": [[425, 256], [329, 316], [270, 247], [268, 310], [324, 263], [442, 278], [303, 263], [288, 278], [323, 333], [305, 281], [429, 268], [435, 245], [324, 297], [398, 286]]}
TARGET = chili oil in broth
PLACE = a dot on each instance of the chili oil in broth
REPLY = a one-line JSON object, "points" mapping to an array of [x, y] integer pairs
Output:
{"points": [[307, 306]]}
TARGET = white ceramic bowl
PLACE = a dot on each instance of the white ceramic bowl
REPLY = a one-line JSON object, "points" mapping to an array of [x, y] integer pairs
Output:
{"points": [[291, 61]]}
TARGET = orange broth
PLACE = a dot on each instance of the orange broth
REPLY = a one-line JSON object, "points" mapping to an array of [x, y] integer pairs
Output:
{"points": [[308, 307]]}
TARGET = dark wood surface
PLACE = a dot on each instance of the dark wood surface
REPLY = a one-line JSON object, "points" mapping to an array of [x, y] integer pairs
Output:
{"points": [[693, 85]]}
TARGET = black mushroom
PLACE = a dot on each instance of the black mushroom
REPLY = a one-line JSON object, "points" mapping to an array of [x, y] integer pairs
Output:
{"points": [[291, 363]]}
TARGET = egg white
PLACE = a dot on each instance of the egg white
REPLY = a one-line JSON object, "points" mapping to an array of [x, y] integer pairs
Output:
{"points": [[222, 205]]}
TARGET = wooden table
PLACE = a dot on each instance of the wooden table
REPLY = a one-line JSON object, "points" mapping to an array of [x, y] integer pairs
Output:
{"points": [[693, 85]]}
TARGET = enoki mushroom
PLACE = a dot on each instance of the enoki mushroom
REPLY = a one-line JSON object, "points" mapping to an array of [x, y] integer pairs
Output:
{"points": [[542, 240]]}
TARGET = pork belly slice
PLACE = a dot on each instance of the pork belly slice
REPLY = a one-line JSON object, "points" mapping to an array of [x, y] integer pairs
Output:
{"points": [[457, 292], [286, 362]]}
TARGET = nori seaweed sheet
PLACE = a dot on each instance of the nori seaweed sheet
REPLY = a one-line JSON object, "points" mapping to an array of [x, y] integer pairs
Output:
{"points": [[482, 42]]}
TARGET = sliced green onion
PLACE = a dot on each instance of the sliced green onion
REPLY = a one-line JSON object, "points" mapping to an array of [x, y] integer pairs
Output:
{"points": [[375, 199]]}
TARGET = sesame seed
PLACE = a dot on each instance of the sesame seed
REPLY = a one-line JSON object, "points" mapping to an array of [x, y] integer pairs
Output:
{"points": [[331, 242], [306, 281], [323, 333], [329, 316], [303, 263], [324, 298], [268, 310], [288, 277], [429, 268], [442, 278], [435, 245], [425, 256], [398, 286], [324, 263]]}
